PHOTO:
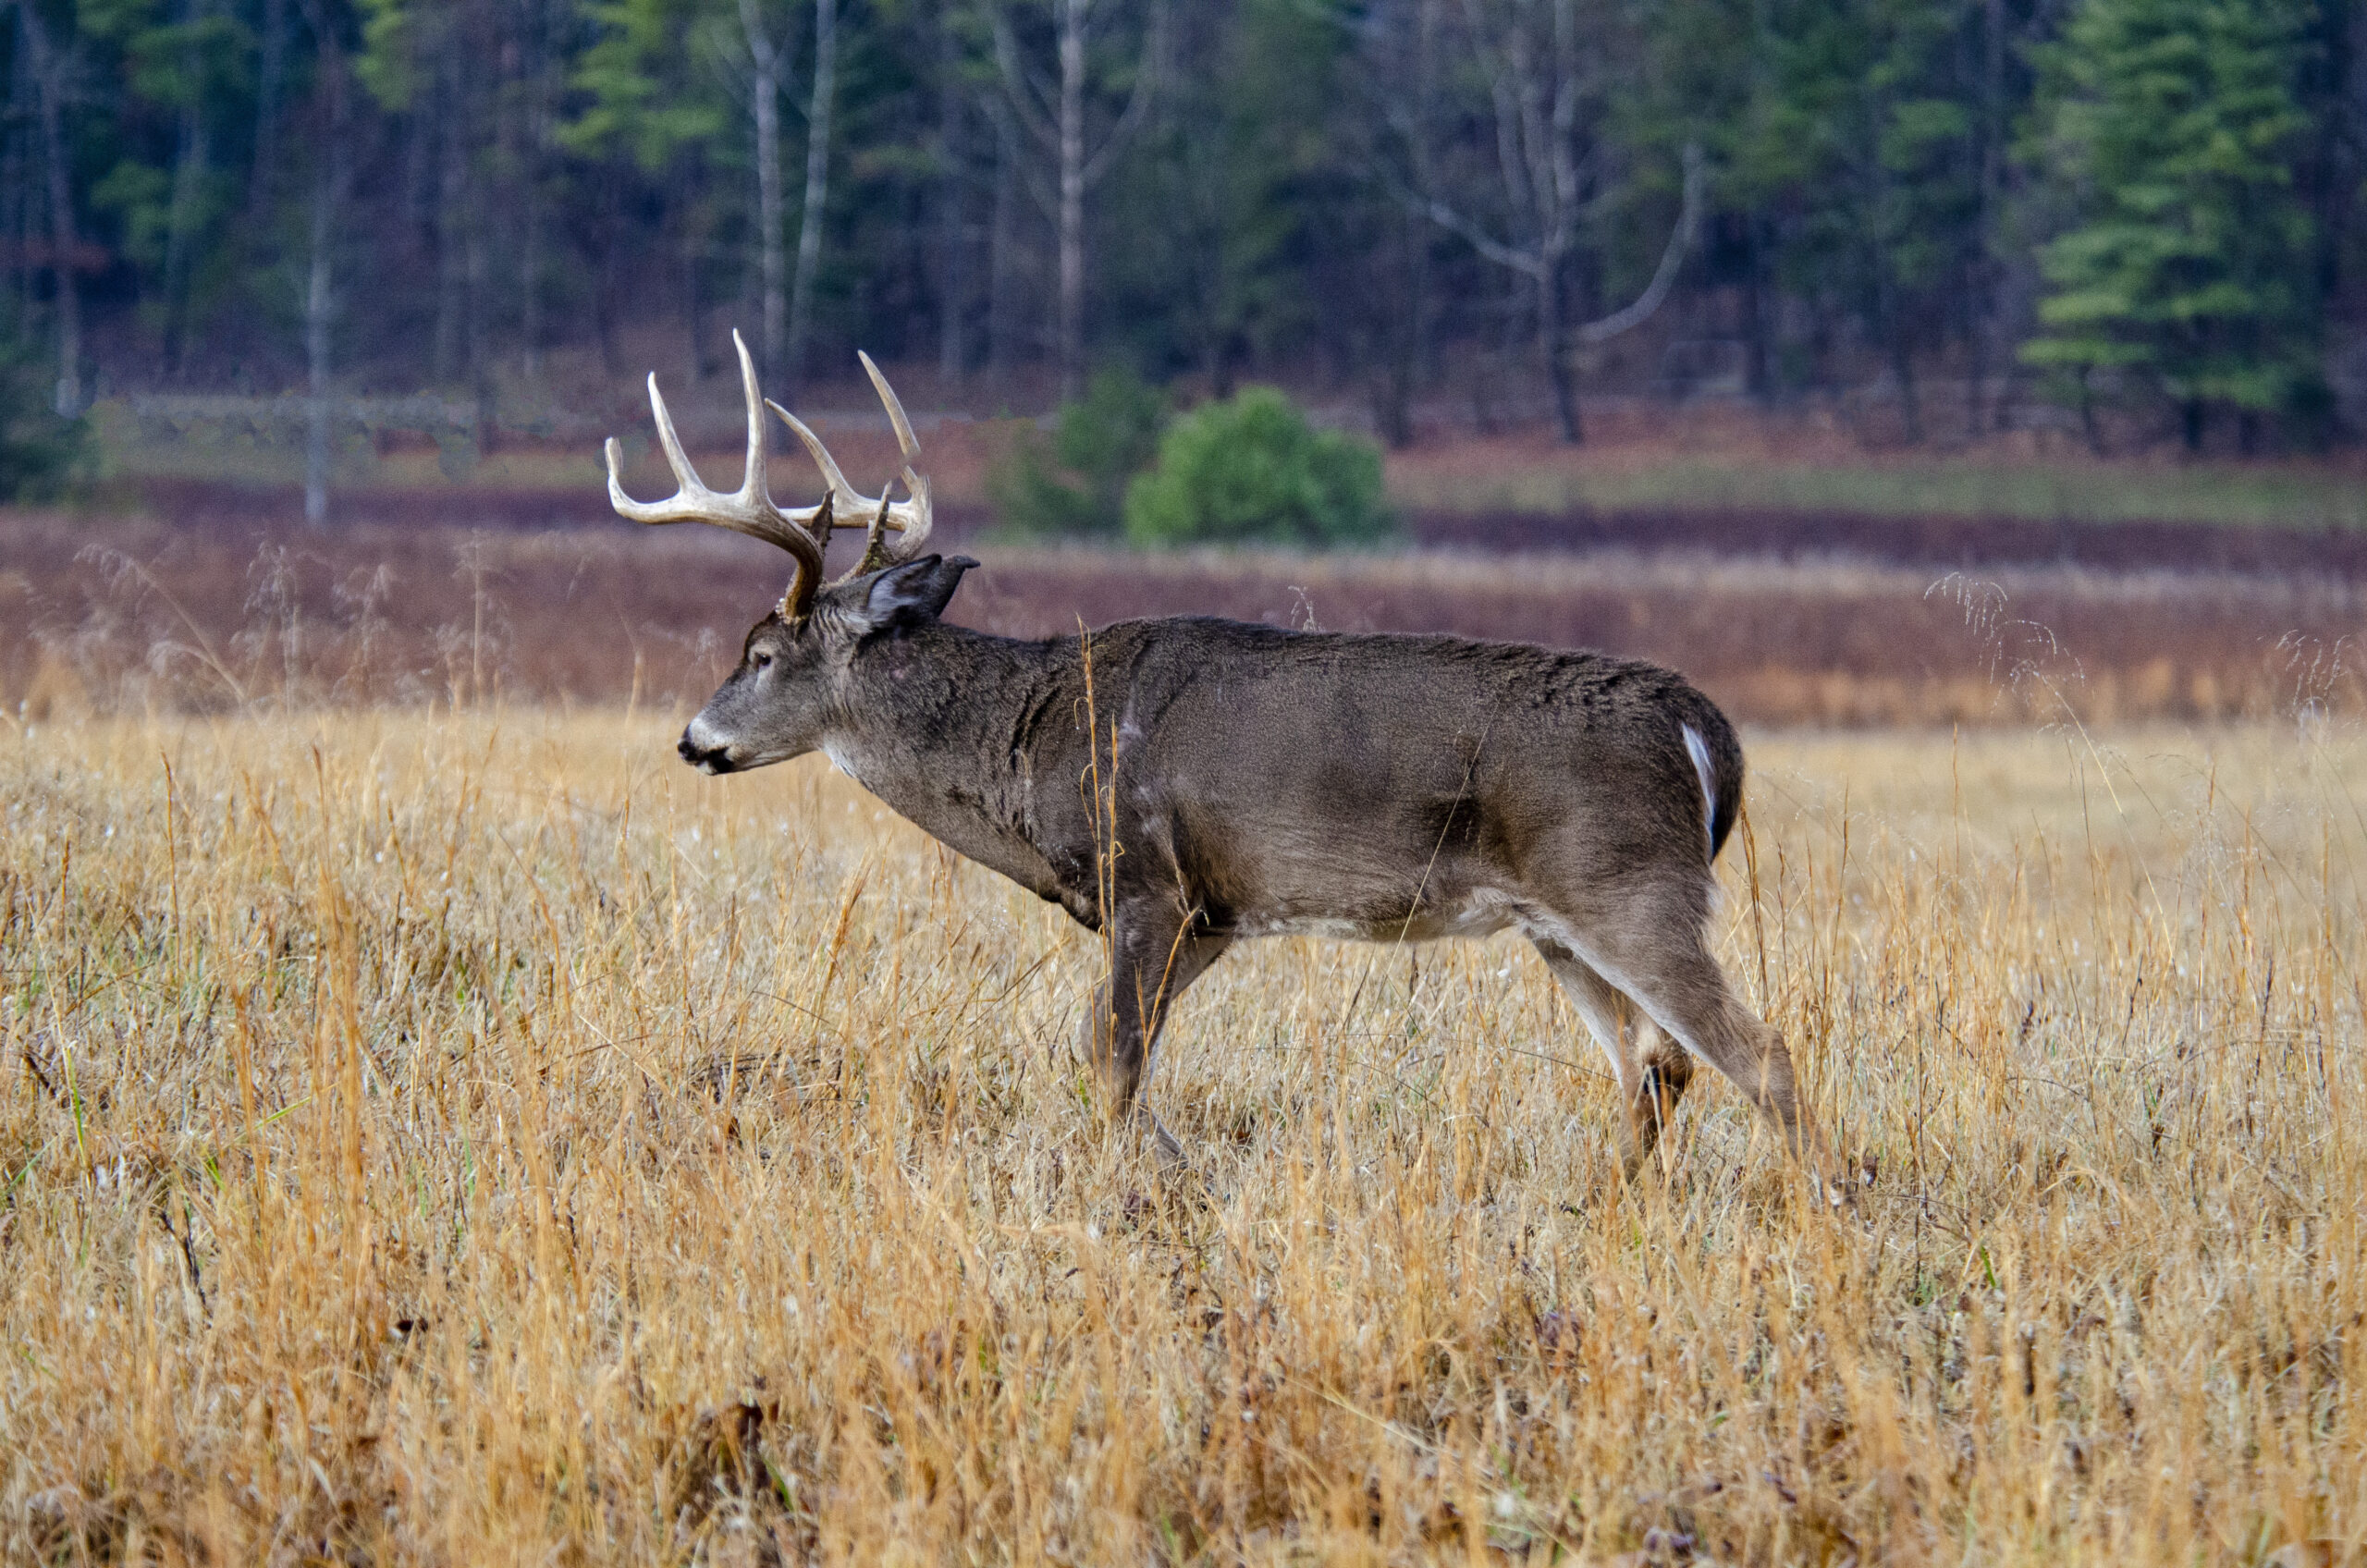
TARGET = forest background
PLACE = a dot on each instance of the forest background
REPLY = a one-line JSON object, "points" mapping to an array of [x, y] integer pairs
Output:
{"points": [[2121, 222]]}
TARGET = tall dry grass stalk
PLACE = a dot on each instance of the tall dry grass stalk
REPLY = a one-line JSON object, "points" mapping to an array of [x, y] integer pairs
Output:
{"points": [[478, 1140]]}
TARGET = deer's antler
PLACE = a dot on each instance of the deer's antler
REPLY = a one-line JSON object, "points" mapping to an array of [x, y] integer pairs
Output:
{"points": [[803, 532], [750, 510], [908, 519]]}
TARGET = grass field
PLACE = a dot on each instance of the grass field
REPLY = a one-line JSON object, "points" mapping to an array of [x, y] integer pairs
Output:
{"points": [[475, 1139], [2311, 496]]}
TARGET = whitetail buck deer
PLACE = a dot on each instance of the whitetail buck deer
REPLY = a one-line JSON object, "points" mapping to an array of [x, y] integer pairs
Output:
{"points": [[1257, 781]]}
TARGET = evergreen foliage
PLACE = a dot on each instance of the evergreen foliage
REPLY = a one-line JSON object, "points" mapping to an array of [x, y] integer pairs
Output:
{"points": [[1077, 482], [2171, 127], [40, 453], [1865, 125], [1251, 470]]}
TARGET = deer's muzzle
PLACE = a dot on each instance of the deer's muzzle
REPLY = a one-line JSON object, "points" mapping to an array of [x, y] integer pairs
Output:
{"points": [[707, 759]]}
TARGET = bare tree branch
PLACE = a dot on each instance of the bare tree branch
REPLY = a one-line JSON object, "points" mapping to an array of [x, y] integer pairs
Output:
{"points": [[1032, 98], [1672, 261], [1137, 109], [1527, 262]]}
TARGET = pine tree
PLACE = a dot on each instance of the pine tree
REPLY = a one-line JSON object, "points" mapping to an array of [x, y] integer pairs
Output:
{"points": [[1861, 127], [2166, 130]]}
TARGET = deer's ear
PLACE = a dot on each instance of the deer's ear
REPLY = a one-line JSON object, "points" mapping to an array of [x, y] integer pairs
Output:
{"points": [[914, 592]]}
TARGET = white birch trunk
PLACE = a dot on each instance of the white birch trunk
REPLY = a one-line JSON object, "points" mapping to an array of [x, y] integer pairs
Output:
{"points": [[320, 298], [952, 282], [818, 183], [49, 83], [764, 105], [318, 303], [1071, 216]]}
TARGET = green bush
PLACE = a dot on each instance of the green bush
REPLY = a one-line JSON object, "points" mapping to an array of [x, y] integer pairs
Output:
{"points": [[1077, 481], [1251, 470], [39, 451]]}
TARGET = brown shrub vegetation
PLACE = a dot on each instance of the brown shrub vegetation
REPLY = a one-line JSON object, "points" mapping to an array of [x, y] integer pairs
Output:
{"points": [[115, 612]]}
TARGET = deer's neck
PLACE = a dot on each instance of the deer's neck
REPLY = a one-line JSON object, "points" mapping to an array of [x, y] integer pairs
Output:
{"points": [[957, 732]]}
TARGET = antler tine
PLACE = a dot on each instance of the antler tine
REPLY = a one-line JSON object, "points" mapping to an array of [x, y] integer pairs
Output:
{"points": [[799, 595], [904, 437], [690, 491], [910, 518], [835, 483], [749, 510], [876, 552], [755, 494], [919, 515]]}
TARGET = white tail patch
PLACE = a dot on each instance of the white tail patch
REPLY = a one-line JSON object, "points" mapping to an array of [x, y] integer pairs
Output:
{"points": [[1698, 749]]}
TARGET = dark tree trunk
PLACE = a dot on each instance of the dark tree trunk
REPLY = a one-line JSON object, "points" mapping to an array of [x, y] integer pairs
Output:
{"points": [[604, 279], [1392, 411], [1553, 291], [1910, 400], [17, 189], [542, 91], [180, 234], [694, 298], [1983, 273], [1758, 379], [1002, 242], [1898, 345], [271, 69], [191, 153], [452, 244]]}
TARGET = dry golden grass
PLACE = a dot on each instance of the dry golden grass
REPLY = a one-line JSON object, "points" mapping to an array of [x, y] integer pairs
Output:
{"points": [[476, 1139]]}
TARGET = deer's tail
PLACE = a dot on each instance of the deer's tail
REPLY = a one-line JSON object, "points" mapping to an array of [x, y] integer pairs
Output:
{"points": [[1717, 762]]}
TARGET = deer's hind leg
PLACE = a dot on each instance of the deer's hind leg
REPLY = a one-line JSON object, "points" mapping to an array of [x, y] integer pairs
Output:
{"points": [[1653, 1069], [1647, 943]]}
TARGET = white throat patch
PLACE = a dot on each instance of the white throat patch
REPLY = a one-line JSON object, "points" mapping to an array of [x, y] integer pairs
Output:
{"points": [[842, 760]]}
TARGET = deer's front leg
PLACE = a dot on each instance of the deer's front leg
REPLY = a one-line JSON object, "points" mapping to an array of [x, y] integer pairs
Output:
{"points": [[1153, 955]]}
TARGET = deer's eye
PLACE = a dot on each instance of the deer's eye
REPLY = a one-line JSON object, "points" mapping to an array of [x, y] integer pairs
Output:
{"points": [[760, 660]]}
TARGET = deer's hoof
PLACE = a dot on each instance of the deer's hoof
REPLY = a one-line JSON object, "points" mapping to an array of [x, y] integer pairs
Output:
{"points": [[1166, 1150], [1837, 1191]]}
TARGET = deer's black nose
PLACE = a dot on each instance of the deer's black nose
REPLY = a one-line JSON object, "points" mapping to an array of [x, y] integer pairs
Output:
{"points": [[707, 759]]}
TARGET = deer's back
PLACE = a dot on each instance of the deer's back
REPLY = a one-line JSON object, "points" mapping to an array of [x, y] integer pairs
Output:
{"points": [[1352, 783]]}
